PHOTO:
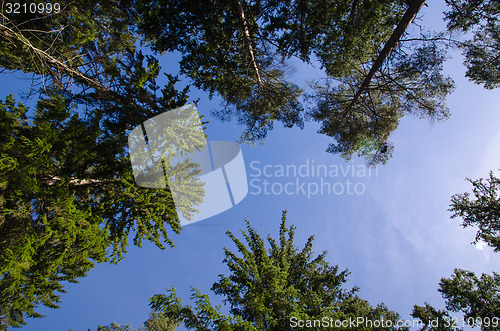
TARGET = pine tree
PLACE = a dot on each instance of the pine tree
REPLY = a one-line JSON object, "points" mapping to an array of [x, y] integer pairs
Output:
{"points": [[269, 288], [434, 319], [477, 298], [482, 209], [480, 18], [241, 51]]}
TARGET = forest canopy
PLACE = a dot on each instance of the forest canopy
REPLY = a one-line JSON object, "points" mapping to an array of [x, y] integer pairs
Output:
{"points": [[68, 199]]}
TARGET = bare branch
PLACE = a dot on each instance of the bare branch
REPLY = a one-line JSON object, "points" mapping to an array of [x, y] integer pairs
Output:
{"points": [[16, 37]]}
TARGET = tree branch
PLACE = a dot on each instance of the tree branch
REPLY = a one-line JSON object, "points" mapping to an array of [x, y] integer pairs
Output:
{"points": [[54, 63], [52, 180], [398, 32]]}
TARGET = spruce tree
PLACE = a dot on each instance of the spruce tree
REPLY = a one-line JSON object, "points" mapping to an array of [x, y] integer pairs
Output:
{"points": [[271, 288]]}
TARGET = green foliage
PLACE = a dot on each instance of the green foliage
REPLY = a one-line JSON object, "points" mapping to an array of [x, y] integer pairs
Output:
{"points": [[47, 237], [155, 322], [68, 198], [244, 56], [482, 209], [67, 195], [409, 84], [267, 287], [478, 298], [482, 52], [276, 100], [160, 322], [52, 44], [433, 319], [114, 327], [216, 57]]}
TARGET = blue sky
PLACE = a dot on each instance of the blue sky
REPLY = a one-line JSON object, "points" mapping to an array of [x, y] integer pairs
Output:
{"points": [[396, 238]]}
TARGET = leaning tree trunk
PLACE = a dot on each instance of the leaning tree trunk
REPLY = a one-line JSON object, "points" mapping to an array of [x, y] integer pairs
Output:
{"points": [[246, 39], [403, 24]]}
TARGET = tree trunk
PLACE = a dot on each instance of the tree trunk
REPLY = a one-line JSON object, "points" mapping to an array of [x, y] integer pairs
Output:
{"points": [[246, 38], [52, 180], [403, 24]]}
